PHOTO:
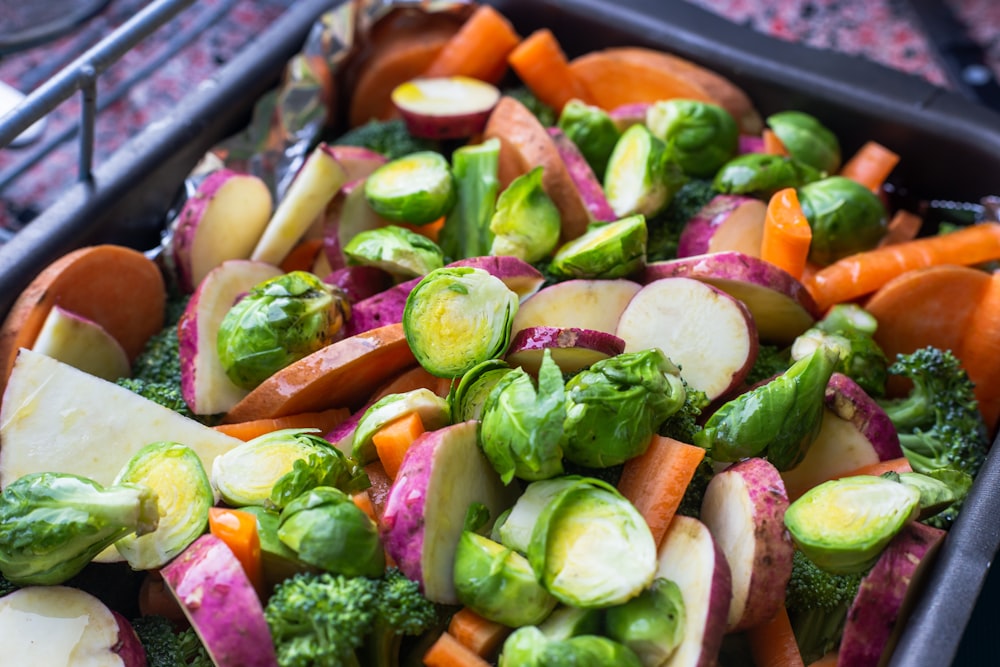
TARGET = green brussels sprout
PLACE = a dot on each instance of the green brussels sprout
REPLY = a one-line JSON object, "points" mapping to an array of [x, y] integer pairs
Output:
{"points": [[278, 322], [651, 624], [581, 539], [807, 140], [640, 177], [513, 528], [762, 175], [326, 529], [498, 583], [526, 223], [845, 218], [417, 188], [434, 412], [457, 317], [521, 427], [851, 328], [396, 250], [593, 131], [614, 407], [843, 525], [56, 523], [529, 647], [939, 489], [468, 396], [699, 136], [466, 230], [277, 561], [606, 250], [565, 622]]}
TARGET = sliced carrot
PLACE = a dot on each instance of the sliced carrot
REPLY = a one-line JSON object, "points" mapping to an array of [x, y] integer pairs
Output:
{"points": [[155, 599], [392, 440], [414, 378], [303, 256], [772, 144], [787, 233], [431, 230], [364, 503], [324, 420], [656, 481], [238, 529], [449, 652], [772, 644], [898, 465], [480, 635], [980, 352], [863, 273], [829, 660], [541, 64], [903, 226], [871, 165], [479, 49]]}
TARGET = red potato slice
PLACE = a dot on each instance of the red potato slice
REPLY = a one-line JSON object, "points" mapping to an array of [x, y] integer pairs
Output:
{"points": [[583, 304], [750, 143], [224, 219], [571, 348], [442, 474], [727, 222], [213, 590], [781, 306], [58, 626], [744, 508], [83, 344], [204, 384], [878, 611], [690, 557], [684, 318], [586, 182], [356, 161], [452, 107], [520, 277], [347, 215], [359, 282], [627, 115]]}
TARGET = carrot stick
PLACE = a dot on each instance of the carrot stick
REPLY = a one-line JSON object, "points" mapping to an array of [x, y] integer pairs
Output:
{"points": [[772, 144], [481, 636], [238, 529], [899, 465], [871, 165], [773, 644], [864, 272], [980, 352], [903, 226], [449, 652], [431, 230], [479, 49], [364, 503], [541, 64], [828, 660], [302, 256], [325, 421], [392, 440], [655, 482], [787, 234]]}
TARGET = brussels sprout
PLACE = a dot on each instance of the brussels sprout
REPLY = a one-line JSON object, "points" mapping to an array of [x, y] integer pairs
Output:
{"points": [[467, 397], [466, 231], [526, 223], [498, 583], [184, 495], [326, 529], [278, 322], [651, 624], [521, 427], [939, 489], [565, 622], [56, 523], [417, 188], [433, 410], [843, 525], [606, 250], [852, 328], [640, 177], [807, 140], [700, 136], [845, 217], [762, 175], [513, 529], [615, 407], [456, 317], [396, 250], [277, 561], [529, 647], [581, 540], [593, 131]]}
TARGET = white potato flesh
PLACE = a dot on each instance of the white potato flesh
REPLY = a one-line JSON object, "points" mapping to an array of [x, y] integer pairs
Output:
{"points": [[81, 343], [583, 304]]}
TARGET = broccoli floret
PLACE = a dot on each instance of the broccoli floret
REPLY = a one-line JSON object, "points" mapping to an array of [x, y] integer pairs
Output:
{"points": [[939, 423], [817, 603], [771, 360], [545, 114], [388, 137], [7, 586], [683, 424], [691, 502], [401, 611], [193, 652], [166, 648], [166, 394], [665, 229]]}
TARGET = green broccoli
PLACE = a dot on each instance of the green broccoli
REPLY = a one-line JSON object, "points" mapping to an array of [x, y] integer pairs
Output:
{"points": [[939, 423], [854, 330], [388, 137], [166, 648], [771, 360], [683, 424], [817, 603], [7, 586], [665, 229], [193, 652], [691, 501]]}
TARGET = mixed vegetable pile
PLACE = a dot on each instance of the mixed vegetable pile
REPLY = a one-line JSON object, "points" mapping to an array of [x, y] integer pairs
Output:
{"points": [[586, 365]]}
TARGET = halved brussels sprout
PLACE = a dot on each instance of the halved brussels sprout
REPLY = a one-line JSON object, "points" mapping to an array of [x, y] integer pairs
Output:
{"points": [[939, 489], [396, 250], [468, 396], [565, 622], [457, 317], [851, 328], [700, 136], [640, 178], [526, 223], [845, 218], [278, 322], [417, 188], [593, 131], [277, 560], [606, 250], [651, 624], [843, 525], [807, 140], [762, 175], [529, 647], [434, 412], [513, 529]]}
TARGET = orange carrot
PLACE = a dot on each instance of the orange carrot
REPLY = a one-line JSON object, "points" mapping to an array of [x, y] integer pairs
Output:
{"points": [[871, 165], [431, 230], [324, 420], [772, 144], [899, 465], [903, 226], [787, 234], [655, 482], [980, 352], [238, 529], [392, 440], [772, 644], [155, 599], [864, 272], [303, 256], [479, 49], [828, 660], [364, 503], [542, 66], [449, 652], [481, 636]]}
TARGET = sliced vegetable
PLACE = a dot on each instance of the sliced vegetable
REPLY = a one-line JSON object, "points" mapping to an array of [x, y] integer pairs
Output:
{"points": [[238, 529], [529, 647], [845, 218], [83, 344], [806, 139], [606, 250], [417, 188], [651, 624], [526, 221], [434, 413], [587, 183], [640, 178], [700, 136], [392, 440], [582, 304], [447, 651], [727, 222], [446, 107], [396, 250], [479, 635], [540, 63], [324, 422], [773, 644], [787, 234], [762, 175], [479, 49], [571, 348], [870, 165], [592, 130]]}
